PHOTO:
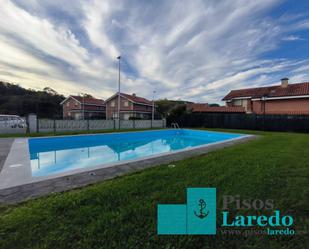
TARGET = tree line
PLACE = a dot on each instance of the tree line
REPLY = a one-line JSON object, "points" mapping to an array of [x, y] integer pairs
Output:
{"points": [[17, 100]]}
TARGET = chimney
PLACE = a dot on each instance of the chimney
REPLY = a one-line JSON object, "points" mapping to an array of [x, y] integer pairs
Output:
{"points": [[284, 82], [133, 94]]}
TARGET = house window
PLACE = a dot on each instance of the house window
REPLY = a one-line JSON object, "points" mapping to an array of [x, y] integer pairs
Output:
{"points": [[75, 104], [126, 103], [126, 116], [237, 102], [113, 103], [68, 104]]}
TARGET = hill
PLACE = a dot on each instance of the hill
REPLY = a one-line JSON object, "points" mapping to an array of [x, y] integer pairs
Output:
{"points": [[17, 100]]}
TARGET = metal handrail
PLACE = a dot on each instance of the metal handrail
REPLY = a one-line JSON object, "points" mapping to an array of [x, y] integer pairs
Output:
{"points": [[175, 125]]}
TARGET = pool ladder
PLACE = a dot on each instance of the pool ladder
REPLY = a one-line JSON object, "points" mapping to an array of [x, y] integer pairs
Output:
{"points": [[175, 125]]}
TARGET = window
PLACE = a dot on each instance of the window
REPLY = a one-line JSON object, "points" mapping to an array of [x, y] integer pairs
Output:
{"points": [[237, 102], [113, 103], [75, 104], [68, 104], [126, 103], [126, 116]]}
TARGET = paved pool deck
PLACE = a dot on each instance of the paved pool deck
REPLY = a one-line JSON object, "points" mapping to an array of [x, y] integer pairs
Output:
{"points": [[67, 181], [5, 146]]}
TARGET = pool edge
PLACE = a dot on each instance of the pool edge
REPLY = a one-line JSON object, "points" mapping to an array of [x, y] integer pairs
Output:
{"points": [[37, 189]]}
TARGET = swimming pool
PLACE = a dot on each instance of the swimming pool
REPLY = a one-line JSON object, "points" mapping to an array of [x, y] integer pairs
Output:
{"points": [[59, 154], [38, 166]]}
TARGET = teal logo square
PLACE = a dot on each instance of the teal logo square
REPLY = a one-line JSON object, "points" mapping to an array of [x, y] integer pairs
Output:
{"points": [[172, 219], [197, 217]]}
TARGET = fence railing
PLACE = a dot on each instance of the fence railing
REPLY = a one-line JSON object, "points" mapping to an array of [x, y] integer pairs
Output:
{"points": [[48, 125], [294, 123]]}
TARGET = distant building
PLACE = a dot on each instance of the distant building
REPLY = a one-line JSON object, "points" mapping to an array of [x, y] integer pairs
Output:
{"points": [[205, 108], [281, 99], [131, 107], [78, 107]]}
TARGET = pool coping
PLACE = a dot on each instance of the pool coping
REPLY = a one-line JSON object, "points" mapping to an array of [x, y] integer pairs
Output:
{"points": [[81, 177]]}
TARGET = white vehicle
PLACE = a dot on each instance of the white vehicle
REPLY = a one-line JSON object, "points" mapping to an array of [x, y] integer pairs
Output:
{"points": [[12, 121]]}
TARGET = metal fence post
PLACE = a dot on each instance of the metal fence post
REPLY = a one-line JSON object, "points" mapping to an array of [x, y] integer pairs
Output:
{"points": [[87, 124], [54, 126], [37, 126], [133, 123]]}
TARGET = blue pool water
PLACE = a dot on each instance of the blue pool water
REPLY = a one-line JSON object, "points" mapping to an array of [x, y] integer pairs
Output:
{"points": [[58, 154]]}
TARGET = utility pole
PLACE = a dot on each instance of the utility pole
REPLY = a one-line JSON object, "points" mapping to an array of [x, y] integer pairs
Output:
{"points": [[118, 106], [83, 106]]}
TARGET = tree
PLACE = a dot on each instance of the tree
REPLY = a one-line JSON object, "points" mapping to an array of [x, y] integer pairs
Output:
{"points": [[165, 106], [86, 95], [20, 101], [214, 105], [178, 111], [50, 91]]}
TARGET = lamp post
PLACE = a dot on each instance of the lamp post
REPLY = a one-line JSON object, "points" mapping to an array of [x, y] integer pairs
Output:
{"points": [[153, 105], [118, 105], [83, 106]]}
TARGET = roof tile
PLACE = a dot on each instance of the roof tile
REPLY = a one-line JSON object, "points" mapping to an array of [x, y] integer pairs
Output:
{"points": [[89, 100], [137, 99], [297, 89]]}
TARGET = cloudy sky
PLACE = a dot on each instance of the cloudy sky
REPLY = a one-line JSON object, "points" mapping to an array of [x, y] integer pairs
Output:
{"points": [[193, 50]]}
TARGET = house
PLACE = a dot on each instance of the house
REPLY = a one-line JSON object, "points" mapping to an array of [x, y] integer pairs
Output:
{"points": [[131, 107], [205, 108], [78, 107], [286, 98]]}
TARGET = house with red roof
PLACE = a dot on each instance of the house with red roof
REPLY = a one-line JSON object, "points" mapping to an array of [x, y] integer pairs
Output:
{"points": [[290, 99], [79, 107], [131, 107]]}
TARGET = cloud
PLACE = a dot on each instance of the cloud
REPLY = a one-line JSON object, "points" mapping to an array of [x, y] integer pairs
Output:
{"points": [[292, 38], [195, 50]]}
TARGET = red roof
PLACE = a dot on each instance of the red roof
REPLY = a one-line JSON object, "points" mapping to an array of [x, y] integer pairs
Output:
{"points": [[89, 100], [137, 99], [207, 108], [133, 98], [297, 89], [196, 106]]}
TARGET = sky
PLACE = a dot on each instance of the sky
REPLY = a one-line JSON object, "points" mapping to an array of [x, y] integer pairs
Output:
{"points": [[195, 50]]}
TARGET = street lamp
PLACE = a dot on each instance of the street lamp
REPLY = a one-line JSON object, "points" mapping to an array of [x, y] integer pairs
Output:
{"points": [[118, 106], [153, 105], [83, 104]]}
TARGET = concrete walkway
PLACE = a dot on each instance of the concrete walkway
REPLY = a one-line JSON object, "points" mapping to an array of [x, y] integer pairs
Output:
{"points": [[5, 146]]}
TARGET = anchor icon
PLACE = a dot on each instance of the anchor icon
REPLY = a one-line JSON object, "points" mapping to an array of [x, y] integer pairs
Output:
{"points": [[202, 204]]}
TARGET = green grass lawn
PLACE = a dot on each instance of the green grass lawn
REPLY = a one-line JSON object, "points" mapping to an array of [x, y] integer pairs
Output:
{"points": [[121, 213]]}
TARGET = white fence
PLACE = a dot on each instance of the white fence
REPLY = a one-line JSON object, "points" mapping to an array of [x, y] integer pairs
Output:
{"points": [[48, 125]]}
